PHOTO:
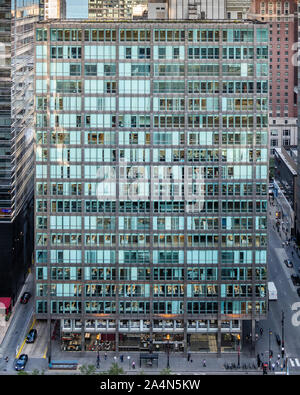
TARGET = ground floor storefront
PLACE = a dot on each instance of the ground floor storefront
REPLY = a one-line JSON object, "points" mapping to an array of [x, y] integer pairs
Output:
{"points": [[196, 342], [105, 336]]}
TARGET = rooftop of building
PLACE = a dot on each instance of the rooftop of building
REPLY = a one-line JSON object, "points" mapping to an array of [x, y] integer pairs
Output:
{"points": [[78, 21], [288, 160]]}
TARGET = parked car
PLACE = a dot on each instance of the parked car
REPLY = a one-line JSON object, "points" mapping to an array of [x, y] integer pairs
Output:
{"points": [[288, 263], [21, 362], [296, 279], [278, 340], [31, 336], [25, 297]]}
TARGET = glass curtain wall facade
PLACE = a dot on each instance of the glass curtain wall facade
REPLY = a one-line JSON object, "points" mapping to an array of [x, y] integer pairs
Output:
{"points": [[17, 36], [17, 20], [151, 183]]}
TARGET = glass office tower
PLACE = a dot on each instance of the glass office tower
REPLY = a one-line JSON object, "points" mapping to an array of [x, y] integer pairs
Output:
{"points": [[17, 18], [151, 183]]}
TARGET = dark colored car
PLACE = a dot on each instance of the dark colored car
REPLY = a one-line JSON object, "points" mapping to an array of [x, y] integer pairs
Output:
{"points": [[295, 279], [25, 297], [21, 362], [288, 263], [31, 336], [278, 340]]}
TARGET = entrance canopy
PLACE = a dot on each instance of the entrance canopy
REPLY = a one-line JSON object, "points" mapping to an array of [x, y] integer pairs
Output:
{"points": [[6, 302]]}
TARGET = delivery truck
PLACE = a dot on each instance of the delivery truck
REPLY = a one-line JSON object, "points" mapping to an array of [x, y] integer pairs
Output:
{"points": [[272, 291]]}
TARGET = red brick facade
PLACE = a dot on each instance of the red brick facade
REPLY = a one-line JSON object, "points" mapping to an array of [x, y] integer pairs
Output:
{"points": [[281, 16]]}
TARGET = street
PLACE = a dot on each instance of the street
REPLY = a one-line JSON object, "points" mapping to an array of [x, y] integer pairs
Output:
{"points": [[287, 297], [17, 331]]}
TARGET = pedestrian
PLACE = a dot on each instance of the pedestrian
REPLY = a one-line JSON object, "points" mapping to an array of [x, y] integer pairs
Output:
{"points": [[105, 356], [277, 364], [264, 367], [98, 361], [278, 357], [133, 365], [261, 331], [188, 357], [273, 366], [204, 363], [6, 359], [258, 360], [121, 358]]}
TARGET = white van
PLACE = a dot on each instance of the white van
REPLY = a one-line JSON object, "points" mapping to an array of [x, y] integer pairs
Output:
{"points": [[272, 291]]}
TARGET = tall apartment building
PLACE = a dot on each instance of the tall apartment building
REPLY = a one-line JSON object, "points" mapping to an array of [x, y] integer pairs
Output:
{"points": [[151, 183], [197, 9], [168, 9], [116, 9], [16, 141], [53, 9], [282, 19], [237, 9]]}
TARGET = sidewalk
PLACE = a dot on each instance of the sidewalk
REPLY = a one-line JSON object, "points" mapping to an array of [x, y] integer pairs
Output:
{"points": [[177, 362]]}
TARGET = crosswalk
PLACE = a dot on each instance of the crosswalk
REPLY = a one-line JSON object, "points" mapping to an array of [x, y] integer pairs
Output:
{"points": [[294, 362]]}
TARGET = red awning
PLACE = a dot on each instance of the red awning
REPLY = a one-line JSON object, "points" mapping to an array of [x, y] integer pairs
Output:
{"points": [[6, 302]]}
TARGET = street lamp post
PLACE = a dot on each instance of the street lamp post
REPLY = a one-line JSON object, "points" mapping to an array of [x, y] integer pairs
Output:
{"points": [[238, 337], [270, 333], [98, 357], [282, 332], [50, 343], [168, 351], [150, 346], [128, 362]]}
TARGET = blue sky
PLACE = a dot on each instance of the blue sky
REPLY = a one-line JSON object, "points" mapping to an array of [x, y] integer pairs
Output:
{"points": [[77, 8]]}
